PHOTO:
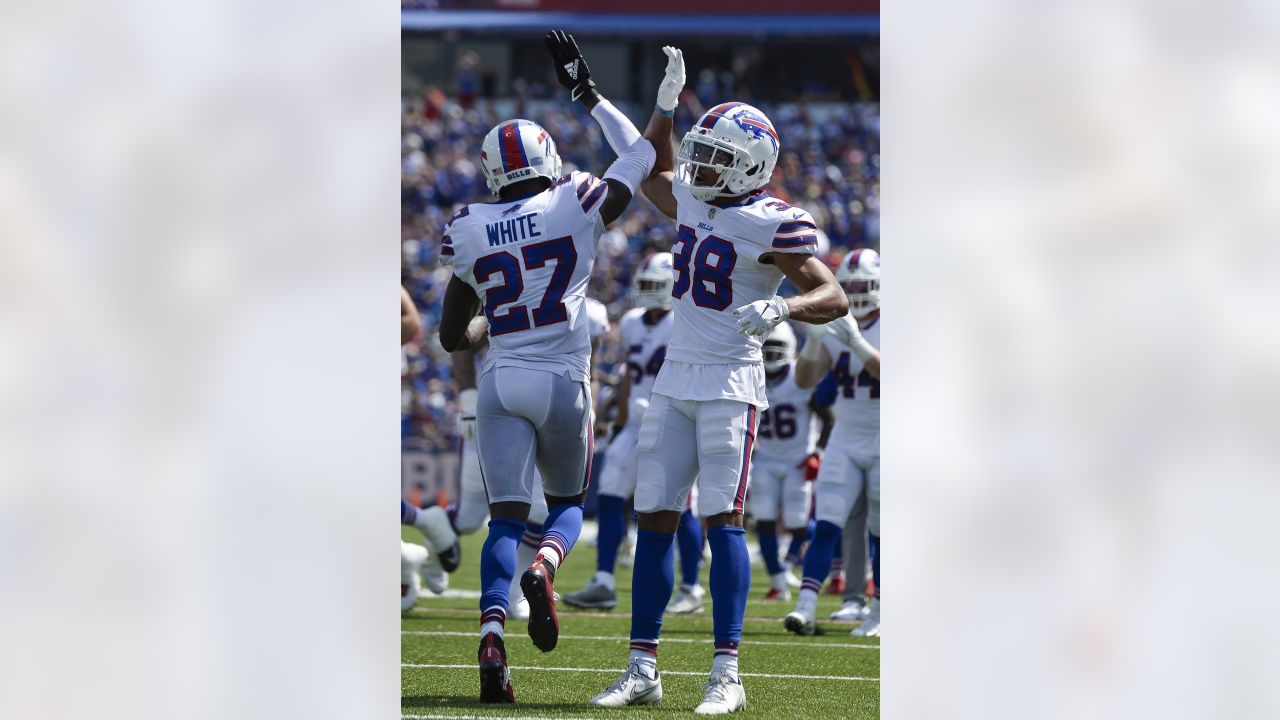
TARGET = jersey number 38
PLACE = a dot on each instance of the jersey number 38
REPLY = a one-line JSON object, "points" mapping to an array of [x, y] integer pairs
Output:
{"points": [[705, 266]]}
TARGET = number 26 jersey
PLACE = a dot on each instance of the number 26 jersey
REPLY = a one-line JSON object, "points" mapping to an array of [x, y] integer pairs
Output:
{"points": [[529, 260], [716, 253]]}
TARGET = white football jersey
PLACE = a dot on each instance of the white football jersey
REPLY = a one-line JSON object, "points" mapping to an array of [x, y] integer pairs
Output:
{"points": [[646, 348], [717, 252], [529, 260], [857, 391], [788, 429]]}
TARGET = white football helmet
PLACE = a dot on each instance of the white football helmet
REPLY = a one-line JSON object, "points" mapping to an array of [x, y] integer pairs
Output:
{"points": [[518, 150], [779, 347], [734, 140], [859, 275], [653, 281]]}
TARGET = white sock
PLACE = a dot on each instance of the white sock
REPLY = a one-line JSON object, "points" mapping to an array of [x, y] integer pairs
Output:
{"points": [[778, 580], [807, 603], [647, 661], [725, 663], [605, 579], [492, 621]]}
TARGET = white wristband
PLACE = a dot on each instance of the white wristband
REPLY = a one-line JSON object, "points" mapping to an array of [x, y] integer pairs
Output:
{"points": [[618, 130]]}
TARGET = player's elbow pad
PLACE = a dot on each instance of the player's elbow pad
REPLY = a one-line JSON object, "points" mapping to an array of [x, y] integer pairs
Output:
{"points": [[633, 165], [618, 130]]}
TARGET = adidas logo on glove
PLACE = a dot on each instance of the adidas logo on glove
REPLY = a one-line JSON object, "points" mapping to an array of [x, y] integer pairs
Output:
{"points": [[572, 68]]}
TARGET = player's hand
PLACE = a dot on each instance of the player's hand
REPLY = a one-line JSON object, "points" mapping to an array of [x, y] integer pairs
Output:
{"points": [[845, 330], [467, 414], [571, 67], [811, 465], [761, 316], [673, 81]]}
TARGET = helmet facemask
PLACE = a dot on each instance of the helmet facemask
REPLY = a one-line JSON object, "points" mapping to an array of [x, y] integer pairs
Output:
{"points": [[777, 355], [702, 153], [652, 294], [863, 294]]}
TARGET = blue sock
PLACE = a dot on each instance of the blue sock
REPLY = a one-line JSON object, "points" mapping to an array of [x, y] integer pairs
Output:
{"points": [[730, 582], [653, 577], [561, 530], [689, 538], [498, 562], [817, 561], [613, 526], [769, 549], [408, 513], [873, 544], [795, 553]]}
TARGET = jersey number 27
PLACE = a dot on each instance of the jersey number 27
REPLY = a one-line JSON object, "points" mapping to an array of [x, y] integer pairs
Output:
{"points": [[516, 318]]}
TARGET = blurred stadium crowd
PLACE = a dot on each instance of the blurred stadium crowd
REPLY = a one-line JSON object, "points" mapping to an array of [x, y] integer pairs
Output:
{"points": [[829, 165]]}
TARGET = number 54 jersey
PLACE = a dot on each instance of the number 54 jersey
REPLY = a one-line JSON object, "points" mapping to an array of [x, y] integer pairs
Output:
{"points": [[717, 253], [529, 260]]}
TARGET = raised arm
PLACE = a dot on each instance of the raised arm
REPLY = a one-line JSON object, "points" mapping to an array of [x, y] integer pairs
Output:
{"points": [[657, 187], [820, 300], [813, 362]]}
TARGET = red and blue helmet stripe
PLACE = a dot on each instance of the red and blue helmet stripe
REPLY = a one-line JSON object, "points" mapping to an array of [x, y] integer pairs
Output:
{"points": [[716, 113], [513, 155]]}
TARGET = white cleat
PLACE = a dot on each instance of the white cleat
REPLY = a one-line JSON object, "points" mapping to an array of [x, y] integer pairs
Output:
{"points": [[852, 610], [633, 688], [722, 695], [871, 626], [792, 580], [411, 559], [434, 577], [687, 601], [799, 623], [520, 610]]}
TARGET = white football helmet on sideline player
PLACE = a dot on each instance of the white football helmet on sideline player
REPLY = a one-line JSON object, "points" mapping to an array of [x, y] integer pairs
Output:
{"points": [[736, 142], [779, 348], [653, 281], [859, 276], [518, 150]]}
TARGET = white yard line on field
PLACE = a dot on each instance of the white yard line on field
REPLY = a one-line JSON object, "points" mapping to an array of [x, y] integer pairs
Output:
{"points": [[851, 646], [568, 612], [664, 672]]}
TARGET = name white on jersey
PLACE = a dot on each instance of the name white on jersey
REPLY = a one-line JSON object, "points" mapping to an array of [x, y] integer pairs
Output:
{"points": [[717, 252], [857, 391], [646, 348], [529, 260], [788, 429]]}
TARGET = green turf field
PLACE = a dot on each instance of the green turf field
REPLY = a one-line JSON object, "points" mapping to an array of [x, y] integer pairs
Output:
{"points": [[831, 675]]}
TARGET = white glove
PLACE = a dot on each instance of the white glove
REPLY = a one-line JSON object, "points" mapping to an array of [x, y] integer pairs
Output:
{"points": [[846, 331], [813, 335], [673, 82], [467, 414], [761, 316]]}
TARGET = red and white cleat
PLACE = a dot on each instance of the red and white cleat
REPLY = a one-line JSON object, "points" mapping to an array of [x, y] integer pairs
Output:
{"points": [[495, 678]]}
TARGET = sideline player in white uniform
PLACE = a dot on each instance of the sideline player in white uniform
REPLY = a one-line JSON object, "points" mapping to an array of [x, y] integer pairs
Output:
{"points": [[527, 258], [644, 333], [472, 507], [793, 432], [432, 522], [733, 246], [852, 465]]}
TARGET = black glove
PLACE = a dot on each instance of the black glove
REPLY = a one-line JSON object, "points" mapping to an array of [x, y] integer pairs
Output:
{"points": [[571, 68]]}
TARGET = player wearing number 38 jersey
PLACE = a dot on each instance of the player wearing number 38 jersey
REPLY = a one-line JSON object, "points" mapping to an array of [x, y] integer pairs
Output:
{"points": [[733, 245], [526, 259]]}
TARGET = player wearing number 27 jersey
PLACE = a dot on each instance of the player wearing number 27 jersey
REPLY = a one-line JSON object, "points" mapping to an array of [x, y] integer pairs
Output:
{"points": [[733, 246], [526, 259]]}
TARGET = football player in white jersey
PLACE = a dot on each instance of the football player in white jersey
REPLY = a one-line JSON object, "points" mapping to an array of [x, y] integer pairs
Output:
{"points": [[527, 258], [644, 332], [432, 522], [733, 246], [852, 464], [793, 432]]}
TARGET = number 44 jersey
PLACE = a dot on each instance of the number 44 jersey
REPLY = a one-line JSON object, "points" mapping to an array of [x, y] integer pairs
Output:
{"points": [[857, 405], [529, 260], [717, 253]]}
